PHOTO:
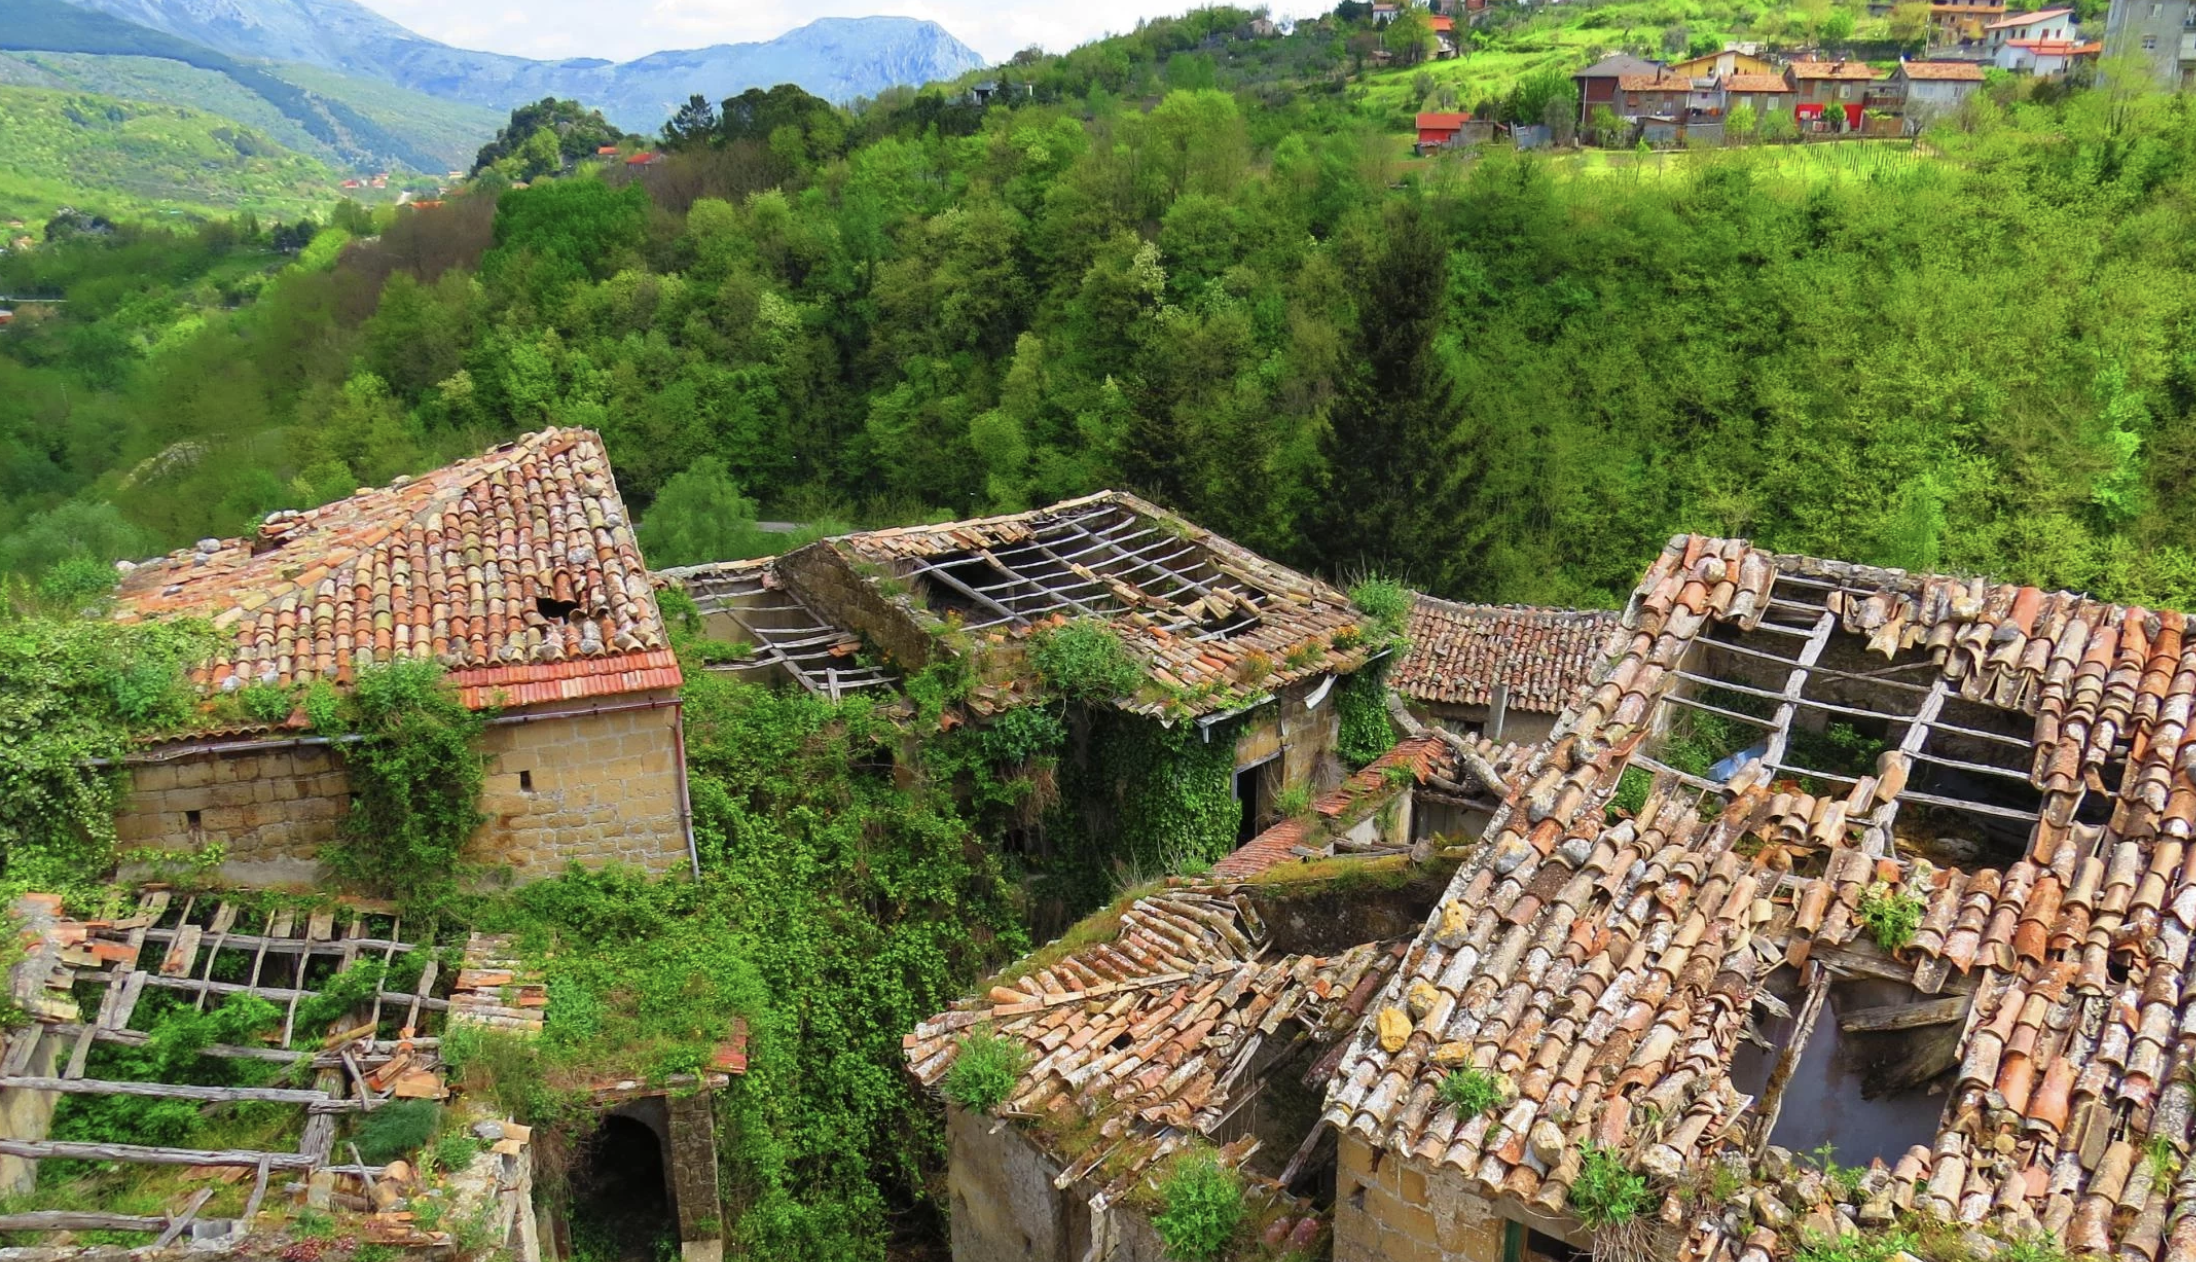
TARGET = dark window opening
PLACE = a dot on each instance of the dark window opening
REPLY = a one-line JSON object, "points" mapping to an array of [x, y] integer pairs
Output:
{"points": [[620, 1206], [526, 782], [1540, 1247], [1249, 793], [194, 820], [555, 610]]}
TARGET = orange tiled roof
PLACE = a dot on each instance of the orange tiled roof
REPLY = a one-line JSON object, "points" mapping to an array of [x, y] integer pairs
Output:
{"points": [[1460, 652], [1844, 71], [1609, 969], [1443, 122], [1755, 83], [2028, 19], [1944, 71], [515, 569]]}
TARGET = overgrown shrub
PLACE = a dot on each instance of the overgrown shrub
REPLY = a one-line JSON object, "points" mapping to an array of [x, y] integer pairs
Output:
{"points": [[396, 1129], [1385, 603], [415, 781], [1471, 1092], [984, 1072], [456, 1150], [1204, 1206], [1361, 712], [1891, 915], [1631, 793], [1085, 661], [1606, 1192]]}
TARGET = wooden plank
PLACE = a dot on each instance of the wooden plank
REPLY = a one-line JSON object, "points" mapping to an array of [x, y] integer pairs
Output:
{"points": [[1693, 704], [278, 994], [1979, 808], [169, 1091], [147, 1155], [182, 952], [1907, 1016], [80, 1220], [190, 1211], [382, 1049], [80, 1053], [282, 924], [321, 927], [927, 570], [1794, 684], [1772, 1095], [419, 994], [259, 1193]]}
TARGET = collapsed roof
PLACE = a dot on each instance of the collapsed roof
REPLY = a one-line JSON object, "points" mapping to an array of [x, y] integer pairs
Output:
{"points": [[1610, 969], [516, 569], [1213, 624]]}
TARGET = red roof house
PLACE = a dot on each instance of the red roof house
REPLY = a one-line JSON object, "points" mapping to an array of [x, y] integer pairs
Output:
{"points": [[518, 573], [1441, 129]]}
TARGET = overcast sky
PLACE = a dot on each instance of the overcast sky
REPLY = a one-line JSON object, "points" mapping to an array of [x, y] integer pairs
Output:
{"points": [[621, 29]]}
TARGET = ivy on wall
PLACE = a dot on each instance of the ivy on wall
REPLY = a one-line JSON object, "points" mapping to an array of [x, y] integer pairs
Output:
{"points": [[1140, 800], [1361, 707], [415, 776]]}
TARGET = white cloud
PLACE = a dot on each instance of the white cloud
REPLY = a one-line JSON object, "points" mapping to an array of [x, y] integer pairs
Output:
{"points": [[623, 29]]}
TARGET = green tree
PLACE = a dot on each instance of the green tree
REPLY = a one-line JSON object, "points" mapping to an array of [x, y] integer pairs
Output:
{"points": [[695, 123], [699, 516], [1392, 453]]}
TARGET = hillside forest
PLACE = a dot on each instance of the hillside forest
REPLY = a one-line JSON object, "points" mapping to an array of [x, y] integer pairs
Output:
{"points": [[1506, 379], [1182, 262]]}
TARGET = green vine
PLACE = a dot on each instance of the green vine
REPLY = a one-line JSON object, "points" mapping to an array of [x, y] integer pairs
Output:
{"points": [[1140, 799], [416, 778], [1361, 706]]}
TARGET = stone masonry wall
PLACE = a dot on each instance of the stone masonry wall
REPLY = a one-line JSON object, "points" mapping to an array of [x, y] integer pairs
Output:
{"points": [[1387, 1209], [594, 789], [588, 788]]}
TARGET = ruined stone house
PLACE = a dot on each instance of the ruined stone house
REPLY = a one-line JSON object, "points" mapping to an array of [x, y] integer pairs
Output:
{"points": [[1829, 854], [1246, 650], [517, 571]]}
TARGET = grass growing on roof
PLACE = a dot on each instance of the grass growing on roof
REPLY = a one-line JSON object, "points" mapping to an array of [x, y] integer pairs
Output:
{"points": [[1471, 1092], [1607, 1193], [984, 1071], [1891, 915], [1203, 1207]]}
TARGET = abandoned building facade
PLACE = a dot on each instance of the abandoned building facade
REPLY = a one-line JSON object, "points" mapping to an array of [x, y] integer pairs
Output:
{"points": [[1244, 649], [1824, 854], [517, 571]]}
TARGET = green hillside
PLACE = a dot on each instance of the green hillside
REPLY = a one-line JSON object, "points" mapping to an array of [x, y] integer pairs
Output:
{"points": [[445, 132], [125, 157], [374, 136], [450, 131]]}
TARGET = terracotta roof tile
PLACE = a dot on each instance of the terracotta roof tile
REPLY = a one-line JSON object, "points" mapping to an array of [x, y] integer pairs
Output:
{"points": [[1608, 969], [1459, 653], [1943, 71], [1756, 83], [516, 569], [1842, 70], [1148, 1034]]}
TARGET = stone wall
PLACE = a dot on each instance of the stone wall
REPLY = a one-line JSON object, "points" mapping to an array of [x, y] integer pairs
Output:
{"points": [[1005, 1208], [823, 578], [1303, 738], [692, 1169], [594, 789], [1389, 1209], [579, 786]]}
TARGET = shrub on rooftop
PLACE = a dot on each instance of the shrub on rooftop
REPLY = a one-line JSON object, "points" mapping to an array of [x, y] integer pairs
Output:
{"points": [[1471, 1092], [1085, 661], [1890, 915], [1385, 602], [1607, 1193], [1204, 1207], [984, 1072]]}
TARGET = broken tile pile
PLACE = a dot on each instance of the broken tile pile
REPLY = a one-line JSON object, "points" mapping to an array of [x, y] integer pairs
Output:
{"points": [[1320, 834], [1146, 1037], [516, 569], [1459, 654], [496, 989], [1606, 970], [1217, 626]]}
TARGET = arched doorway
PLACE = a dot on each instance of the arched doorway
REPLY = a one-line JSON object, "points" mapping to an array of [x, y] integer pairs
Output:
{"points": [[621, 1204]]}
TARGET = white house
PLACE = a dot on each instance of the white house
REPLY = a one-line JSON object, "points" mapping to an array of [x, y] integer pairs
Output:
{"points": [[2043, 24], [1932, 88]]}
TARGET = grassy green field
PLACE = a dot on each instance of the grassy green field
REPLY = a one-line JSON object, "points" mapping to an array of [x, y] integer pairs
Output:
{"points": [[127, 158], [1565, 37]]}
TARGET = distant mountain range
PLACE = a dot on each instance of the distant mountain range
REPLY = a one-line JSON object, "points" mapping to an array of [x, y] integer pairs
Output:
{"points": [[837, 58]]}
